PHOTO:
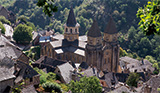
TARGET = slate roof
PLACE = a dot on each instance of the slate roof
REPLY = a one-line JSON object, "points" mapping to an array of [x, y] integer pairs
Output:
{"points": [[77, 47], [111, 27], [110, 78], [9, 30], [83, 38], [58, 37], [29, 89], [121, 89], [49, 61], [65, 71], [5, 74], [154, 83], [71, 21], [26, 71], [89, 72], [94, 31], [7, 48]]}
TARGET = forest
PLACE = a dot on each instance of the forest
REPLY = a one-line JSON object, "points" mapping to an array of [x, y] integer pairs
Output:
{"points": [[132, 40]]}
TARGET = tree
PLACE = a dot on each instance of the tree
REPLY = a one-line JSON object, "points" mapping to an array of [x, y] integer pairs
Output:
{"points": [[133, 79], [86, 85], [150, 19], [22, 34], [48, 6], [2, 28], [4, 20]]}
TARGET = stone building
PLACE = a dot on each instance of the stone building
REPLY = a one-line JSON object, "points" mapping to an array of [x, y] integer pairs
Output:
{"points": [[7, 14], [98, 51]]}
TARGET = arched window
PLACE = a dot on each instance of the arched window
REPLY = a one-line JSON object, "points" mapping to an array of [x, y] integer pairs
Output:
{"points": [[76, 30], [71, 30], [66, 29]]}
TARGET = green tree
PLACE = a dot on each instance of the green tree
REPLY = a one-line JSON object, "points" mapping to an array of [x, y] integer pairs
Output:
{"points": [[4, 20], [48, 6], [22, 34], [150, 19], [133, 79], [2, 28], [86, 85]]}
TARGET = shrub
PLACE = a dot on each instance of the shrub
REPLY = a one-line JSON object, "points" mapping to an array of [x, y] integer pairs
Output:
{"points": [[49, 87], [4, 20], [2, 28]]}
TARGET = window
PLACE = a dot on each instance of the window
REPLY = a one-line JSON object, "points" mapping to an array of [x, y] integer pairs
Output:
{"points": [[66, 29], [76, 30], [135, 71], [31, 79], [71, 30]]}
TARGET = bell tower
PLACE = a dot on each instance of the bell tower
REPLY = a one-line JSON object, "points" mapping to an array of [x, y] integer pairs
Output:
{"points": [[110, 49], [93, 48], [71, 32]]}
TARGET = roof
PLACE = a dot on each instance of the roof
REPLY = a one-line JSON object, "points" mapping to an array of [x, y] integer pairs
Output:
{"points": [[122, 89], [111, 27], [129, 60], [9, 30], [94, 30], [49, 61], [110, 78], [29, 89], [26, 71], [154, 83], [71, 21], [8, 49], [58, 36], [65, 71], [83, 38], [5, 74], [89, 72], [44, 39]]}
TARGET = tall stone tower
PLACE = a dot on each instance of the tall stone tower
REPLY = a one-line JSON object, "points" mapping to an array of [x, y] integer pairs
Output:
{"points": [[110, 61], [93, 50], [71, 32]]}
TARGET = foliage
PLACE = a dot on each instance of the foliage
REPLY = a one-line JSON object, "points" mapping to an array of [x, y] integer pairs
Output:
{"points": [[48, 6], [86, 85], [133, 79], [150, 19], [2, 28], [122, 52], [31, 25], [22, 34], [4, 20], [17, 88], [49, 86], [33, 53]]}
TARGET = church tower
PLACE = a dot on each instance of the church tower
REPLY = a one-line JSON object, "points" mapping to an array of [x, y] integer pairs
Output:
{"points": [[93, 50], [110, 49], [71, 32]]}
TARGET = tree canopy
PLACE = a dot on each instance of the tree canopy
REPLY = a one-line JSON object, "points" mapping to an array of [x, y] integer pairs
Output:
{"points": [[48, 6], [86, 85], [150, 19], [133, 79], [2, 28], [22, 34]]}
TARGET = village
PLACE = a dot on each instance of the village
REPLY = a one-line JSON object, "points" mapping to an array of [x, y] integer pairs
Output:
{"points": [[71, 57]]}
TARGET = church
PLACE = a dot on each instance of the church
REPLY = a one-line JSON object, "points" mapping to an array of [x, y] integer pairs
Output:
{"points": [[96, 50]]}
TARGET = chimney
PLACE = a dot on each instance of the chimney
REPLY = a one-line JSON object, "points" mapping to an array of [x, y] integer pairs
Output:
{"points": [[15, 66]]}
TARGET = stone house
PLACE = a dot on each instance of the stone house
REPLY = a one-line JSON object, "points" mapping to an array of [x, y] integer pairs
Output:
{"points": [[98, 51], [6, 79], [7, 14], [65, 72], [9, 49], [22, 71]]}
